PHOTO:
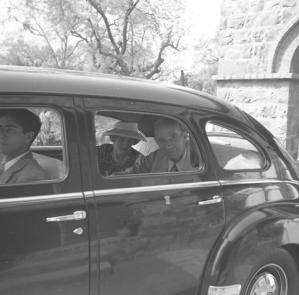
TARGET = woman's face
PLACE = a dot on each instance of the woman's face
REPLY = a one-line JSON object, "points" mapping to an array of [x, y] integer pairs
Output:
{"points": [[122, 145]]}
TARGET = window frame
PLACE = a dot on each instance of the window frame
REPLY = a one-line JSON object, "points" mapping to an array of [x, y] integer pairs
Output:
{"points": [[264, 156], [200, 151], [64, 145]]}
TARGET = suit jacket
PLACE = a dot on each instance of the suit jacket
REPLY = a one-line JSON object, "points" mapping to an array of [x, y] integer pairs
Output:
{"points": [[26, 169], [158, 162]]}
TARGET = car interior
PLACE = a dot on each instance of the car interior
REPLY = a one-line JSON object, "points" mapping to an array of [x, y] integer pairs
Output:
{"points": [[50, 159], [146, 126]]}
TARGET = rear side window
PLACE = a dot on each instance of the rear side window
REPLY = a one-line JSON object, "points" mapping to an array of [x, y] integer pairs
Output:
{"points": [[139, 143], [232, 150], [32, 145]]}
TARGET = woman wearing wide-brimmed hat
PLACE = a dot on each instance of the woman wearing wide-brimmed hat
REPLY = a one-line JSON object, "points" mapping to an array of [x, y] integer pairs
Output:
{"points": [[119, 155]]}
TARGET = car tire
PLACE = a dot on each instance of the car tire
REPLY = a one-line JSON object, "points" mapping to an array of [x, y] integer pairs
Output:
{"points": [[276, 273]]}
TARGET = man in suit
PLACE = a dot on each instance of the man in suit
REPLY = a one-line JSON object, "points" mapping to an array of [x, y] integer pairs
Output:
{"points": [[18, 129], [173, 154]]}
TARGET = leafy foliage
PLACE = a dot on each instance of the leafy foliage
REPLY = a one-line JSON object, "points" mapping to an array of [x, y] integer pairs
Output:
{"points": [[199, 74], [140, 38], [128, 37]]}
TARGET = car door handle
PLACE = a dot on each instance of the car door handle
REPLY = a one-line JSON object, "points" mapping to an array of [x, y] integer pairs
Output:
{"points": [[216, 199], [77, 215]]}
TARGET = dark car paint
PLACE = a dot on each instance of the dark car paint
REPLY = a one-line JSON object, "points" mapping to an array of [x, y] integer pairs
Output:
{"points": [[153, 247], [37, 257], [250, 236], [75, 84], [144, 235]]}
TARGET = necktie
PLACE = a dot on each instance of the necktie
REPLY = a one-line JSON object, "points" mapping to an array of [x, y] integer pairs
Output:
{"points": [[2, 166], [174, 168]]}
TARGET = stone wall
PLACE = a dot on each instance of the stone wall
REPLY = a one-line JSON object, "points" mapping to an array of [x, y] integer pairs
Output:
{"points": [[264, 99], [248, 30], [258, 41]]}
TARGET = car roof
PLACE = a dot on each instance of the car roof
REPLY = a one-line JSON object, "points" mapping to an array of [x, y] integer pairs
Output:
{"points": [[28, 80]]}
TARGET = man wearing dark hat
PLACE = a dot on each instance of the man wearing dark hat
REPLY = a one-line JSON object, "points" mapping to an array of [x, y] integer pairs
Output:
{"points": [[119, 155]]}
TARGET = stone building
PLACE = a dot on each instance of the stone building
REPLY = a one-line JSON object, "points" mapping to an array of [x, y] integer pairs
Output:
{"points": [[259, 63]]}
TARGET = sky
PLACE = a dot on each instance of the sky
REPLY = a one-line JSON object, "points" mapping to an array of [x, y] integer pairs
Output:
{"points": [[203, 18], [204, 15]]}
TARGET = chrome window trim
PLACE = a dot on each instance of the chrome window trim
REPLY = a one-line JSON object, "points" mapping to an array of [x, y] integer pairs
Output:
{"points": [[154, 188], [38, 199]]}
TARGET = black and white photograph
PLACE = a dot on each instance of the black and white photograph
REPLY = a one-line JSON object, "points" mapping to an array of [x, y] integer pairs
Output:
{"points": [[149, 147]]}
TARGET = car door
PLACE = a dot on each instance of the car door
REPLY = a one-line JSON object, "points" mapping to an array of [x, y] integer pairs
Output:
{"points": [[152, 231], [44, 246]]}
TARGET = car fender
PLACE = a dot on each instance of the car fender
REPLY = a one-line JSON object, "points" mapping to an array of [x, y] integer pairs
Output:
{"points": [[245, 240]]}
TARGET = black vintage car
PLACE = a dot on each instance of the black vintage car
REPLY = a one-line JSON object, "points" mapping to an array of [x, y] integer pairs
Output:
{"points": [[228, 226]]}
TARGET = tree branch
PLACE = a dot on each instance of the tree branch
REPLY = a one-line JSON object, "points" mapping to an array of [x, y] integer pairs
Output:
{"points": [[159, 60], [74, 48], [42, 33], [78, 35], [125, 27], [99, 9]]}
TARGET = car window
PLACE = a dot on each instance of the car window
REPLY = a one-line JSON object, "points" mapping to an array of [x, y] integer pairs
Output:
{"points": [[232, 150], [31, 145], [138, 143]]}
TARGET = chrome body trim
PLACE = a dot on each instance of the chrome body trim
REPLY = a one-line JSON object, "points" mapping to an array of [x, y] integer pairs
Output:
{"points": [[256, 181], [123, 191], [225, 290], [154, 188], [178, 186], [38, 199], [88, 194]]}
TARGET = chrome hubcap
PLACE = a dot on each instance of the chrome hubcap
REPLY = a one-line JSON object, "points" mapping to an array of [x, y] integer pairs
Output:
{"points": [[269, 280], [265, 284]]}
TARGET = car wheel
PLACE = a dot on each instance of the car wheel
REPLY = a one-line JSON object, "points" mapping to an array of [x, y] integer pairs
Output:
{"points": [[276, 274]]}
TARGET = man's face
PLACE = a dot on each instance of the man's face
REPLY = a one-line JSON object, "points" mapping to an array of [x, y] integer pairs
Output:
{"points": [[13, 142], [172, 141]]}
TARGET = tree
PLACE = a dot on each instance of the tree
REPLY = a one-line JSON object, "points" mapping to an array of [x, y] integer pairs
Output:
{"points": [[44, 36], [206, 60], [19, 52], [204, 64], [129, 37]]}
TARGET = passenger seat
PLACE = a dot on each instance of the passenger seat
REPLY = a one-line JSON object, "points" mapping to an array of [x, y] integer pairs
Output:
{"points": [[54, 168]]}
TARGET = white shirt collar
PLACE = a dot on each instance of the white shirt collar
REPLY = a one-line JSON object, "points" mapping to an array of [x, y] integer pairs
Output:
{"points": [[11, 162]]}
